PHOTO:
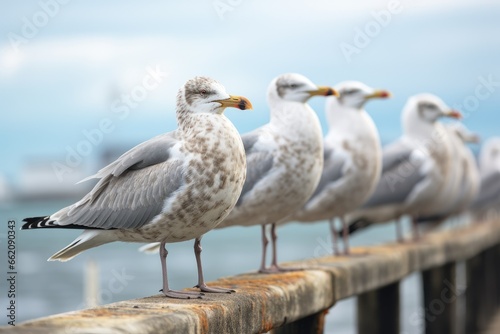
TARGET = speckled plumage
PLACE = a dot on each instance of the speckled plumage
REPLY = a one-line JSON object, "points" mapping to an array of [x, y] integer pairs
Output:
{"points": [[174, 187]]}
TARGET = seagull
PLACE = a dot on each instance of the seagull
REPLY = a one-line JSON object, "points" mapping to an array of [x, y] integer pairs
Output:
{"points": [[489, 157], [415, 168], [174, 187], [467, 175], [488, 199], [470, 178], [284, 160], [352, 155]]}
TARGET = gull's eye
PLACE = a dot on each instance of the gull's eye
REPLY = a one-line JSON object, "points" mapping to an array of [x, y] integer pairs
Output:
{"points": [[203, 92], [294, 86], [428, 106]]}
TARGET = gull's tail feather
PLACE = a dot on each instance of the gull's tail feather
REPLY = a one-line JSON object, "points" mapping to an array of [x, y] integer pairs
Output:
{"points": [[88, 239], [152, 248]]}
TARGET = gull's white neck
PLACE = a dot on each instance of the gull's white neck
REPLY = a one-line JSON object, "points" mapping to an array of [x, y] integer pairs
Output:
{"points": [[295, 118], [416, 128], [346, 122]]}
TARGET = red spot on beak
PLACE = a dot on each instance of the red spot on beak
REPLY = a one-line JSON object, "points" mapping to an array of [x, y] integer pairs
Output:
{"points": [[455, 114]]}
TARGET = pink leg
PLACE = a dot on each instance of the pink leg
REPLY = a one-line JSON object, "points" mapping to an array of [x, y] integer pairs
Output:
{"points": [[345, 235], [166, 291], [201, 281], [335, 240], [265, 242]]}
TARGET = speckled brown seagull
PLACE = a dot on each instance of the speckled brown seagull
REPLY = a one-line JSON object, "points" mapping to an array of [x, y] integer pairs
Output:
{"points": [[171, 188]]}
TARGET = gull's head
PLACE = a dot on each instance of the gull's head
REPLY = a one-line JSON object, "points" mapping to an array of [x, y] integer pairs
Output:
{"points": [[429, 108], [296, 87], [355, 94], [205, 95]]}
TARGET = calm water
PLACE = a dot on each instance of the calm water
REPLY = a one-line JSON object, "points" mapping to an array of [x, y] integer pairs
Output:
{"points": [[46, 288]]}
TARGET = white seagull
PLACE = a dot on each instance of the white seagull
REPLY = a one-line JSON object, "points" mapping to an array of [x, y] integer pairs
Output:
{"points": [[488, 199], [353, 158], [470, 178], [467, 175], [173, 187], [415, 168], [284, 160]]}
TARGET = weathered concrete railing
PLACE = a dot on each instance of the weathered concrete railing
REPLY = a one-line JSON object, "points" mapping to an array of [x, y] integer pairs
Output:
{"points": [[296, 302]]}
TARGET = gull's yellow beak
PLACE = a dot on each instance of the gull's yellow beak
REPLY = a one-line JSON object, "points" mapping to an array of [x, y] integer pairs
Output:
{"points": [[453, 114], [323, 91], [234, 101], [379, 94]]}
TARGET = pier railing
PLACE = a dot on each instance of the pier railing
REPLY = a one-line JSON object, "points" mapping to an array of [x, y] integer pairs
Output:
{"points": [[296, 302]]}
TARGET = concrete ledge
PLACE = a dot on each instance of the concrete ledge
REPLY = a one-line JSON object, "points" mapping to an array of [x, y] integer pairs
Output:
{"points": [[263, 302], [373, 267]]}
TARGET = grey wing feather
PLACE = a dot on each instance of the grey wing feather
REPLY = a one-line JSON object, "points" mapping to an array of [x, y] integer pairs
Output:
{"points": [[249, 139], [259, 163], [394, 153], [489, 193], [131, 190], [398, 179], [151, 152], [128, 201], [333, 169]]}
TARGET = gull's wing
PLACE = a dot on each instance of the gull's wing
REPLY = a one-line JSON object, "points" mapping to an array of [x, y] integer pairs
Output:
{"points": [[150, 152], [394, 153], [333, 168], [259, 161], [131, 190], [400, 176], [489, 192]]}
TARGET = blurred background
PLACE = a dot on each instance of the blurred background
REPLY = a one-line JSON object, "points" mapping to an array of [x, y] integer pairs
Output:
{"points": [[82, 82]]}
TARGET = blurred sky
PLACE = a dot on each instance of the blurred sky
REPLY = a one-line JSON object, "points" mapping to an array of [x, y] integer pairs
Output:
{"points": [[65, 67]]}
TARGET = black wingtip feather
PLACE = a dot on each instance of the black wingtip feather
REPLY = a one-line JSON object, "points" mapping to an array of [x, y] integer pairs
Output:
{"points": [[430, 219], [355, 226], [34, 222], [45, 222]]}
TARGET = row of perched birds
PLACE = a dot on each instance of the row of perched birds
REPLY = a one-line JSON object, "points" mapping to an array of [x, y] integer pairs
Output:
{"points": [[204, 175]]}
